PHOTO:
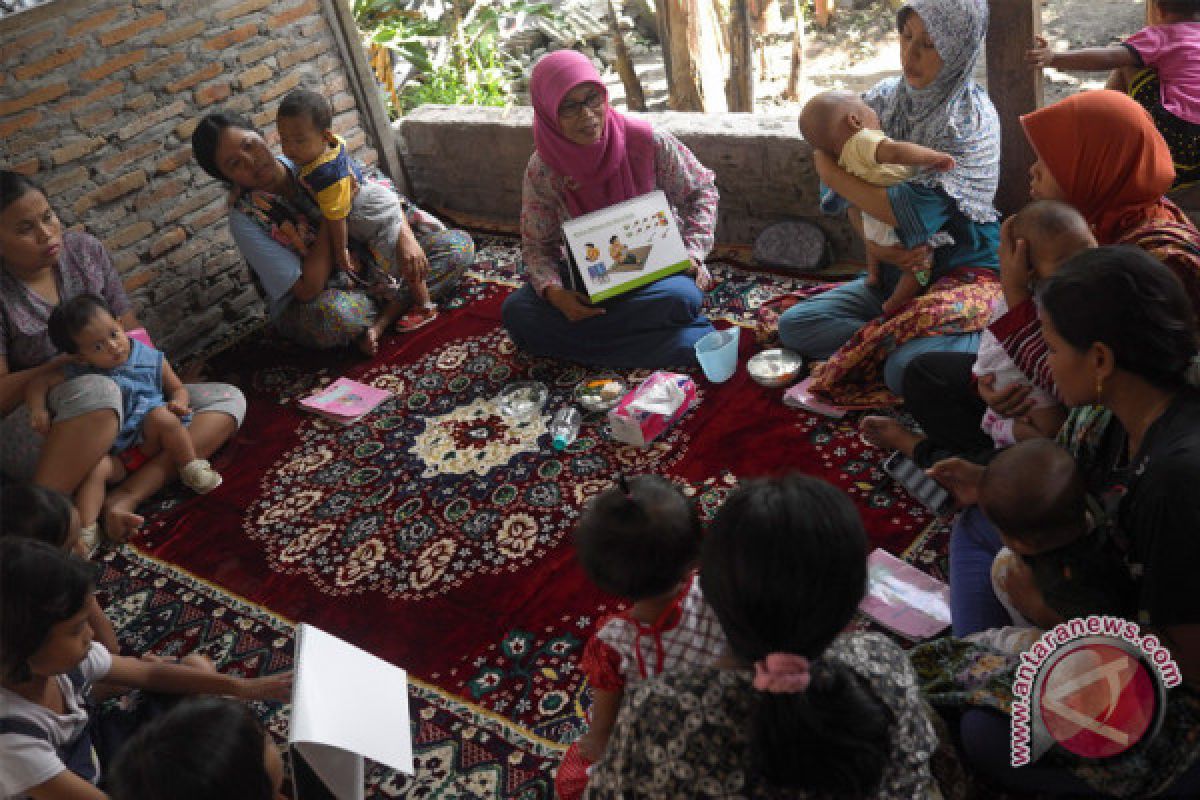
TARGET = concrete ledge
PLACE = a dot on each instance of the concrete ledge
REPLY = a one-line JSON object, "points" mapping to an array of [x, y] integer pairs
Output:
{"points": [[470, 160]]}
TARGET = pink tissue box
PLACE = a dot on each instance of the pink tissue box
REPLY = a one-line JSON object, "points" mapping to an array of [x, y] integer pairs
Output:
{"points": [[638, 427]]}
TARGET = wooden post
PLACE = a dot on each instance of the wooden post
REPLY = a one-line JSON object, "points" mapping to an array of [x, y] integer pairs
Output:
{"points": [[741, 58], [635, 98], [1015, 89], [697, 61], [366, 95], [822, 11], [797, 70]]}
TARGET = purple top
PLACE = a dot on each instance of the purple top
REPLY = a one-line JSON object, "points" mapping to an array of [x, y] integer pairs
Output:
{"points": [[83, 266]]}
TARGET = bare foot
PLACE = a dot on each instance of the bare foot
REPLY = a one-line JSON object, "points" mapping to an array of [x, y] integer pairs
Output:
{"points": [[368, 342], [887, 433], [120, 521]]}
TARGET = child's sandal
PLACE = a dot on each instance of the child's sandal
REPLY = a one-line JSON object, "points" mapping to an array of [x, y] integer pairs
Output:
{"points": [[417, 318]]}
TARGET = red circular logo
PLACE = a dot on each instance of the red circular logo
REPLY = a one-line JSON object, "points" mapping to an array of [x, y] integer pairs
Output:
{"points": [[1097, 700]]}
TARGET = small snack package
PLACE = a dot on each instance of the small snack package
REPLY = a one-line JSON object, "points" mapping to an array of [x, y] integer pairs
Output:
{"points": [[644, 413]]}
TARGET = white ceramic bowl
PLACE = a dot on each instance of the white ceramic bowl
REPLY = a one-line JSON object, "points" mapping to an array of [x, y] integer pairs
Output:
{"points": [[775, 367]]}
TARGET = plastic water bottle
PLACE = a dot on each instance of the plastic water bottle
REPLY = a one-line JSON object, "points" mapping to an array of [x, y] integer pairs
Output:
{"points": [[564, 427]]}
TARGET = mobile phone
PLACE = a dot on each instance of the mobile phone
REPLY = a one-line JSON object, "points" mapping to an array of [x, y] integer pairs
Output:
{"points": [[925, 489]]}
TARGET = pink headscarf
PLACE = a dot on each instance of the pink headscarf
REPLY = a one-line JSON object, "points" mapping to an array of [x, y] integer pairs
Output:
{"points": [[618, 166]]}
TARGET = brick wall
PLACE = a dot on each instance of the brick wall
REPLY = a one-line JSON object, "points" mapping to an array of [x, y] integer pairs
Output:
{"points": [[98, 100], [764, 168]]}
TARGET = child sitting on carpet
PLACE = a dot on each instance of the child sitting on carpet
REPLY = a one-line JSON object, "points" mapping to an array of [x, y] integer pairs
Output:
{"points": [[203, 748], [1034, 494], [35, 512], [154, 401], [48, 663], [845, 127], [1053, 232], [1159, 67], [368, 211], [639, 541]]}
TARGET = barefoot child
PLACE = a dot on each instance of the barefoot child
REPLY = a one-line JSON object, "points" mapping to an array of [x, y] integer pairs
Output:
{"points": [[640, 541], [845, 127], [152, 396], [1159, 67], [48, 662], [1056, 563], [368, 211]]}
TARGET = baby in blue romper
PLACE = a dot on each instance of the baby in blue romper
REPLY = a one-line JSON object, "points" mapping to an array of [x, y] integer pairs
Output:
{"points": [[154, 400]]}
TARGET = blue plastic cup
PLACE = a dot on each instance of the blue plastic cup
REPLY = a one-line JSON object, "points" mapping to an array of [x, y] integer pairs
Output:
{"points": [[717, 353]]}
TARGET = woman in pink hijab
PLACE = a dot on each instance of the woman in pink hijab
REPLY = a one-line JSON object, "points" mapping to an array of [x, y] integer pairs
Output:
{"points": [[589, 156]]}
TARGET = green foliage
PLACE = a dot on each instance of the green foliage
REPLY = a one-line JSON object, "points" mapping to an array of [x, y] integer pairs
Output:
{"points": [[457, 55]]}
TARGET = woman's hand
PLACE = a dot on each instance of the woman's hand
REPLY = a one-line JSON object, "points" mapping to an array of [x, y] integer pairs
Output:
{"points": [[959, 477], [573, 305], [271, 687], [913, 260], [1016, 272], [704, 278], [414, 264], [1012, 402]]}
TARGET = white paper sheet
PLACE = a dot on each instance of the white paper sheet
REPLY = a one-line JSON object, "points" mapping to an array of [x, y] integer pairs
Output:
{"points": [[347, 704]]}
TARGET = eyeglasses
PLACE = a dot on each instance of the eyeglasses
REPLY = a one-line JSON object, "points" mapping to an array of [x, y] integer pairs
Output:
{"points": [[594, 102]]}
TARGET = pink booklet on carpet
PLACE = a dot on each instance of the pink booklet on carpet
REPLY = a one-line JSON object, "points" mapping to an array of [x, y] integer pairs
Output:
{"points": [[801, 396], [904, 599], [345, 401]]}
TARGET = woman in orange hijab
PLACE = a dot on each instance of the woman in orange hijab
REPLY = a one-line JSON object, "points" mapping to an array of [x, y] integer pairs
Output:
{"points": [[1100, 152]]}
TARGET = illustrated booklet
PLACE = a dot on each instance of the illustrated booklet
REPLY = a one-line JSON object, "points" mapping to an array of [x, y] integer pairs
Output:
{"points": [[625, 246], [345, 401]]}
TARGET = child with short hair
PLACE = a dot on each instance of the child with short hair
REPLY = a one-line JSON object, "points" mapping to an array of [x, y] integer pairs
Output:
{"points": [[1053, 232], [640, 541], [154, 400], [368, 211], [35, 512], [1034, 494], [1159, 67], [48, 662], [845, 127], [203, 748]]}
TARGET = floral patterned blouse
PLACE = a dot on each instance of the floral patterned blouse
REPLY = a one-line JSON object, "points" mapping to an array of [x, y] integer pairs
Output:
{"points": [[83, 266], [684, 734], [688, 185]]}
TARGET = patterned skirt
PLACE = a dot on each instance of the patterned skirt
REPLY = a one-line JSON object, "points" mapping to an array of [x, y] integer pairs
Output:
{"points": [[1183, 137]]}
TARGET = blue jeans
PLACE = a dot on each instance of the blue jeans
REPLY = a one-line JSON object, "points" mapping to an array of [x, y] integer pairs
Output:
{"points": [[974, 544], [653, 326], [817, 327]]}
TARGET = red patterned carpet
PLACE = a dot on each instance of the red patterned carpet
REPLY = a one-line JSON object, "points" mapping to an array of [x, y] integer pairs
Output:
{"points": [[436, 533]]}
